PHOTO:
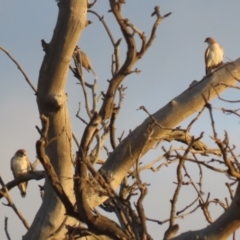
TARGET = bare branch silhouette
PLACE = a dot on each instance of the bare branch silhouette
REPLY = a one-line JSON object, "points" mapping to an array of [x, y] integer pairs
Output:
{"points": [[20, 69]]}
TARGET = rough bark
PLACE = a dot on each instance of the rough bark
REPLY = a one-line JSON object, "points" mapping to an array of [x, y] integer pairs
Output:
{"points": [[52, 102]]}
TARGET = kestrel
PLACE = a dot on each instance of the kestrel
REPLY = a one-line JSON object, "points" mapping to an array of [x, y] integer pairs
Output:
{"points": [[82, 57], [20, 165], [213, 55]]}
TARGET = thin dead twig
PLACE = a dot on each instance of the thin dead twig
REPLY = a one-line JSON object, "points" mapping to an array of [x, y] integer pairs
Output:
{"points": [[115, 112], [82, 80], [6, 228], [176, 217], [12, 205], [115, 44], [20, 69], [203, 204], [173, 228]]}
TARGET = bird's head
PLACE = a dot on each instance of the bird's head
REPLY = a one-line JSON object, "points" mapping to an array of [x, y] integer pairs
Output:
{"points": [[21, 153], [210, 40], [76, 48]]}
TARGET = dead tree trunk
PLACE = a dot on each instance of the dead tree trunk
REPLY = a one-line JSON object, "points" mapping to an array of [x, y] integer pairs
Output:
{"points": [[52, 102]]}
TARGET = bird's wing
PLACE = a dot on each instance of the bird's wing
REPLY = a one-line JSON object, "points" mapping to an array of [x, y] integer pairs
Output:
{"points": [[78, 56], [11, 164], [12, 159], [222, 50], [13, 171], [206, 55], [85, 61], [29, 165]]}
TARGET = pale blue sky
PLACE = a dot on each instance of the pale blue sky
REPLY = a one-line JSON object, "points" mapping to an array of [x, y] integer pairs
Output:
{"points": [[170, 65]]}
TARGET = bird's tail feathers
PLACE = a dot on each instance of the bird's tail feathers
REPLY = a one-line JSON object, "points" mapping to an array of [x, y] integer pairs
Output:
{"points": [[23, 194], [23, 189]]}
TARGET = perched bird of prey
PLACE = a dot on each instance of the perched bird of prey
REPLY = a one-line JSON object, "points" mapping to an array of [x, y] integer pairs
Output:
{"points": [[83, 59], [213, 55], [20, 165]]}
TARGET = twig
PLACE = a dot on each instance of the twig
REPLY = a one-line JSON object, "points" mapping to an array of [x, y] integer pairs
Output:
{"points": [[173, 228], [82, 80], [75, 140], [225, 100], [115, 44], [176, 217], [203, 204], [230, 190], [195, 119], [6, 228], [115, 112], [12, 205], [36, 175], [90, 5], [154, 28], [78, 115], [113, 129], [184, 137], [20, 69], [188, 206]]}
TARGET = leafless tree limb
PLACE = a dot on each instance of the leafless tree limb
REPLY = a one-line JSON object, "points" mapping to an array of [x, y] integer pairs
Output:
{"points": [[82, 80], [12, 205], [40, 148], [184, 137], [169, 231], [20, 68], [202, 203], [94, 220], [35, 175], [115, 112], [78, 115], [6, 228], [181, 216], [116, 59]]}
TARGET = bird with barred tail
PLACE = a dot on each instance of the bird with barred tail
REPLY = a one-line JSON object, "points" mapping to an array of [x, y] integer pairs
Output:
{"points": [[20, 165], [83, 59], [213, 55]]}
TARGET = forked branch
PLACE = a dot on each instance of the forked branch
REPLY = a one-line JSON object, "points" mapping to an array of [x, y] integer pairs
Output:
{"points": [[20, 69], [42, 156]]}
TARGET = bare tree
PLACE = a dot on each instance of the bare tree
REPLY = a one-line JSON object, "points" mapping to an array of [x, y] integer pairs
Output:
{"points": [[75, 187]]}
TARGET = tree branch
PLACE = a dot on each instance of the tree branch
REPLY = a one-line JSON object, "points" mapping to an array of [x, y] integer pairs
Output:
{"points": [[50, 172], [36, 175], [185, 137], [222, 228], [20, 69], [184, 105], [52, 102], [12, 205], [6, 228]]}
